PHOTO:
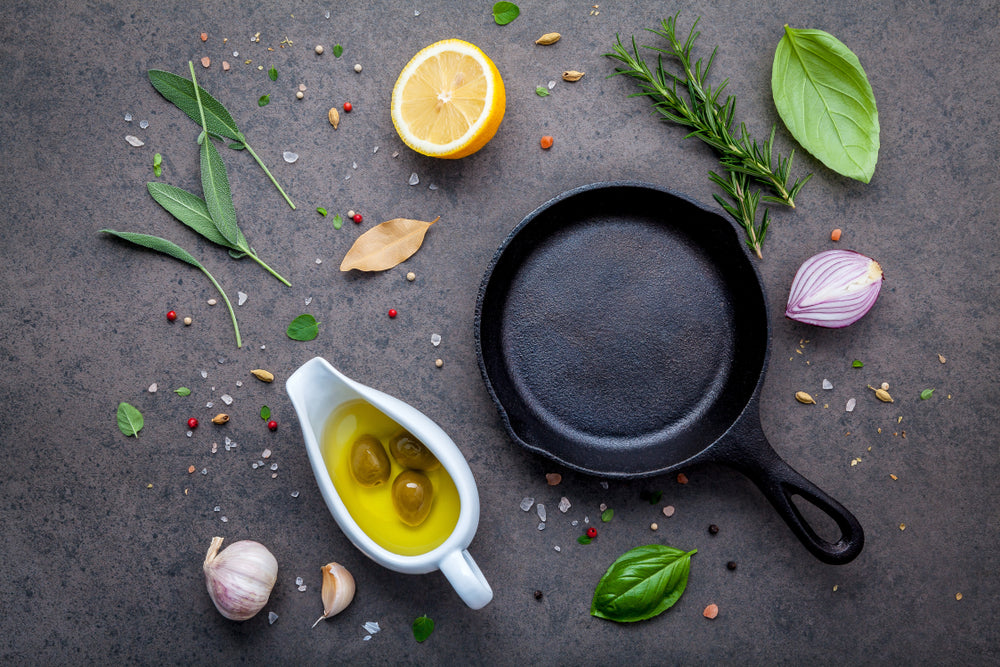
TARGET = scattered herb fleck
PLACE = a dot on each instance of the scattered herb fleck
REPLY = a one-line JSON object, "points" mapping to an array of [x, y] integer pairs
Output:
{"points": [[505, 12], [157, 165], [422, 628], [272, 74], [130, 420], [338, 50], [542, 91], [583, 539], [857, 364], [304, 327], [182, 391], [264, 100], [926, 393], [607, 515], [265, 413], [321, 211]]}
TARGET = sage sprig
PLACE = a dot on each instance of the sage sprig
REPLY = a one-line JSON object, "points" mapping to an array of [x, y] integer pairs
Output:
{"points": [[218, 122], [172, 249], [191, 210]]}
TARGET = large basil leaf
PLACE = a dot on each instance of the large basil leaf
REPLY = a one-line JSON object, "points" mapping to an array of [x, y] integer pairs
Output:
{"points": [[824, 98], [130, 420], [643, 583]]}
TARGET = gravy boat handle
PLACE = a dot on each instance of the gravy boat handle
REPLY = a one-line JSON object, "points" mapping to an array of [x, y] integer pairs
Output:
{"points": [[467, 579]]}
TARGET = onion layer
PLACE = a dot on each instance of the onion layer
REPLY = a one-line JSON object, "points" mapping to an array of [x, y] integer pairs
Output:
{"points": [[834, 289]]}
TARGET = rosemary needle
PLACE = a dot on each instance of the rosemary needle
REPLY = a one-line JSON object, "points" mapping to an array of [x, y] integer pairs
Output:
{"points": [[712, 121]]}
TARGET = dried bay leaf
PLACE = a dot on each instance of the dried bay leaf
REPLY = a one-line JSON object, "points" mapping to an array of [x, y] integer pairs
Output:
{"points": [[386, 245]]}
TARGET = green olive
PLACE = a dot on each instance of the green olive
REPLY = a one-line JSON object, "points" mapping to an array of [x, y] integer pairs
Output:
{"points": [[369, 462], [411, 453], [412, 494]]}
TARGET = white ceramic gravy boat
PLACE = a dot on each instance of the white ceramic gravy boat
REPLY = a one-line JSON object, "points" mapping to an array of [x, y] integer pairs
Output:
{"points": [[316, 390]]}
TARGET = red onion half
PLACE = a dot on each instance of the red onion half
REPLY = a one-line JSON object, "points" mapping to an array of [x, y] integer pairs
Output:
{"points": [[834, 289]]}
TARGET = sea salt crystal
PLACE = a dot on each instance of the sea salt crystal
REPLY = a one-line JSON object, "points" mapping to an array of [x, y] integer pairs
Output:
{"points": [[295, 494], [271, 617], [366, 638], [254, 466], [527, 503], [574, 522], [375, 150], [135, 141], [290, 157], [603, 507], [541, 526], [227, 399], [395, 154], [274, 466], [354, 165], [260, 464], [435, 341], [557, 548], [215, 447], [204, 374], [241, 298], [604, 485], [319, 261], [302, 589], [128, 118], [414, 179], [308, 300], [224, 519], [416, 12], [564, 504], [552, 84], [153, 388], [263, 347], [586, 519], [298, 581], [190, 433], [327, 15], [827, 384], [144, 124], [371, 627], [851, 402], [228, 440], [266, 454], [239, 383], [217, 509], [274, 475], [432, 187], [236, 54], [541, 511]]}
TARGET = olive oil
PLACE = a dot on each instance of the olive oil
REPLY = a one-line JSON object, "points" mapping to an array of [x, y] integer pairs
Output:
{"points": [[372, 507]]}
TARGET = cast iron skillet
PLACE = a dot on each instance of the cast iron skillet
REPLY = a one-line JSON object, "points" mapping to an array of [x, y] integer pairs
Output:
{"points": [[622, 331]]}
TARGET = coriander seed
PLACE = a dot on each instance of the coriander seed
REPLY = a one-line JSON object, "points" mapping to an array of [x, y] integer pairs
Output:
{"points": [[188, 321], [319, 49], [357, 67]]}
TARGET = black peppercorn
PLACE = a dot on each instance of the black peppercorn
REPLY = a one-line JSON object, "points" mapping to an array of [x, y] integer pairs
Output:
{"points": [[731, 565], [713, 529], [538, 595]]}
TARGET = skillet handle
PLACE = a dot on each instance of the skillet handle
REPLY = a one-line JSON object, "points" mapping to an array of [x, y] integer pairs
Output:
{"points": [[751, 454]]}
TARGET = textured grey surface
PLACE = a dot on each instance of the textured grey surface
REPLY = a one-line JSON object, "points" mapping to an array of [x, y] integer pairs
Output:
{"points": [[104, 536]]}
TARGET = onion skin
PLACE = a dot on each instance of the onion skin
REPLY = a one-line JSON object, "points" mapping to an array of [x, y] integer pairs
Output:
{"points": [[834, 289]]}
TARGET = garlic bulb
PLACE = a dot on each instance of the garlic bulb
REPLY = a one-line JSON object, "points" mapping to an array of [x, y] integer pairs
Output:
{"points": [[338, 590], [239, 579], [834, 289]]}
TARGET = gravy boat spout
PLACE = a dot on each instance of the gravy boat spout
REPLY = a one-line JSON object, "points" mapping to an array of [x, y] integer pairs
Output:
{"points": [[316, 390]]}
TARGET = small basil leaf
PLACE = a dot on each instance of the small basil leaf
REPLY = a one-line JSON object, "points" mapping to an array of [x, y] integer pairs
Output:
{"points": [[926, 393], [321, 211], [337, 221], [607, 515], [642, 583], [338, 50], [264, 100], [272, 73], [303, 327], [823, 96], [182, 391], [130, 420], [422, 628], [505, 12], [583, 539], [857, 363], [265, 413], [542, 91]]}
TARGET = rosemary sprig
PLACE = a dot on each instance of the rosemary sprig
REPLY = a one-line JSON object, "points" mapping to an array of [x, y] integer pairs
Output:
{"points": [[712, 121]]}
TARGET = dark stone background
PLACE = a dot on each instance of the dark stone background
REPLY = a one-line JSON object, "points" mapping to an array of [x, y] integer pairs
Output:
{"points": [[104, 536]]}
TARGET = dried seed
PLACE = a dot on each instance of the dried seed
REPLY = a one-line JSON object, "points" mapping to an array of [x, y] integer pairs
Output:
{"points": [[548, 38], [882, 395], [572, 75], [941, 358], [204, 36], [653, 526], [188, 321], [206, 62], [553, 478], [220, 418], [711, 611], [225, 65], [803, 397], [262, 375], [682, 478], [668, 511], [885, 385], [334, 117]]}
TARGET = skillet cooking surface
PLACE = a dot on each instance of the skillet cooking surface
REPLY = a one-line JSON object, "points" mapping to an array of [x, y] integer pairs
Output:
{"points": [[622, 329]]}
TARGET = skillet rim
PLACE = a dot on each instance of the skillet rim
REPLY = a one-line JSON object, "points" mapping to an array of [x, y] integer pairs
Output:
{"points": [[748, 410]]}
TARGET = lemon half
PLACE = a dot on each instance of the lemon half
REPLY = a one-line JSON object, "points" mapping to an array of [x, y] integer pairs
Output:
{"points": [[449, 100]]}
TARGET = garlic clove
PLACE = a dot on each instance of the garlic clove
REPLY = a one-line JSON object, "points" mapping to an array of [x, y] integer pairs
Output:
{"points": [[240, 578], [338, 590]]}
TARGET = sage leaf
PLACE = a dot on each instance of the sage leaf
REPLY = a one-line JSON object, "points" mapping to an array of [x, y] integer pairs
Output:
{"points": [[182, 391], [180, 92], [505, 12], [218, 196], [642, 583], [823, 96], [189, 209], [386, 245], [422, 628], [303, 327], [173, 250], [130, 420]]}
